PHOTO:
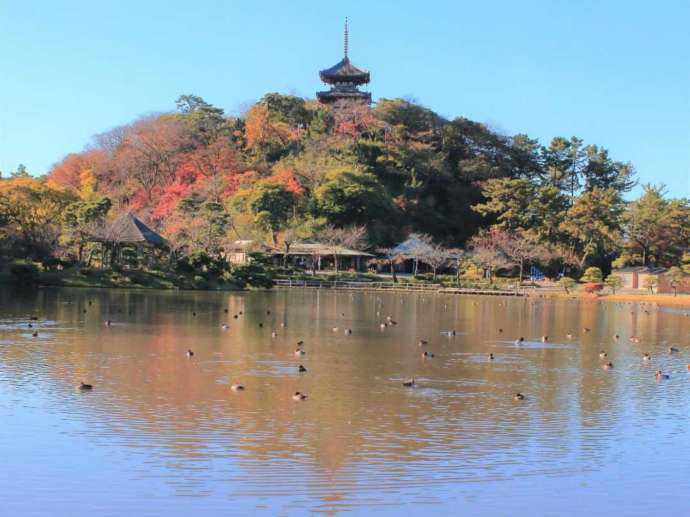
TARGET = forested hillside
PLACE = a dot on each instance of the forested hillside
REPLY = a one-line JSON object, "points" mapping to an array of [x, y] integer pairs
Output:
{"points": [[284, 170]]}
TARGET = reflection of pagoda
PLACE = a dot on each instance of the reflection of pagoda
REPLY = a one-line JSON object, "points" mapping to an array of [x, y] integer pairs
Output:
{"points": [[344, 79]]}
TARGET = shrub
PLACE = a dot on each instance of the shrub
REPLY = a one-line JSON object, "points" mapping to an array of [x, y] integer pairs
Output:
{"points": [[593, 287], [593, 275], [566, 283], [23, 272], [613, 282]]}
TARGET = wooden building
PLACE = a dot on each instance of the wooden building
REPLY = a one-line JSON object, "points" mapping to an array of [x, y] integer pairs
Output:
{"points": [[345, 79], [634, 276]]}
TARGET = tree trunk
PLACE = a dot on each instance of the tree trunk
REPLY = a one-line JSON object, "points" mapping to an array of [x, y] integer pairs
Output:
{"points": [[416, 265], [522, 266], [285, 255], [335, 262], [395, 278], [434, 277]]}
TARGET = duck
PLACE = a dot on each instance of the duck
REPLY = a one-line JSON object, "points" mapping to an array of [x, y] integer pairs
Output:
{"points": [[569, 336], [646, 357], [616, 336], [500, 331], [240, 313], [193, 312], [236, 387], [672, 350], [108, 323], [634, 339], [34, 334], [608, 366], [660, 375], [603, 354], [299, 352], [382, 326], [282, 325], [335, 329], [274, 333], [299, 397], [519, 396], [34, 318], [544, 339], [422, 342], [261, 325], [225, 326], [586, 329], [348, 332], [84, 387], [190, 353], [235, 316], [491, 356], [300, 343], [225, 311], [30, 326], [427, 355], [409, 383], [268, 312], [519, 341], [302, 369]]}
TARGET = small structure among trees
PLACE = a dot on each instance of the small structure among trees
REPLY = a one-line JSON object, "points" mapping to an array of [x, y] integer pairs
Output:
{"points": [[128, 239]]}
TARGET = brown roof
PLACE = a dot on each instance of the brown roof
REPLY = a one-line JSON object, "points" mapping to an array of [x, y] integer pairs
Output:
{"points": [[344, 72], [128, 228]]}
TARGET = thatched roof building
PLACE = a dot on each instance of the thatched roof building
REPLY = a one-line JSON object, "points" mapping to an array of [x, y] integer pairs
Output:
{"points": [[129, 229]]}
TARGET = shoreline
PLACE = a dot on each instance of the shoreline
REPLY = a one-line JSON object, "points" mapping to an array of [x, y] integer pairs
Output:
{"points": [[682, 300]]}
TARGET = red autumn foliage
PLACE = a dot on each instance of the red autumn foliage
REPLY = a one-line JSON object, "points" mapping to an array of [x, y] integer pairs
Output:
{"points": [[593, 287]]}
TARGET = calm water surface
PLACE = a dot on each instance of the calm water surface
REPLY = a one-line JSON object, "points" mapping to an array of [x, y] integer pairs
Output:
{"points": [[163, 435]]}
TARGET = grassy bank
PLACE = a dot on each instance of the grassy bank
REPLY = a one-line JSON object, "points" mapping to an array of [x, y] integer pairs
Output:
{"points": [[108, 278]]}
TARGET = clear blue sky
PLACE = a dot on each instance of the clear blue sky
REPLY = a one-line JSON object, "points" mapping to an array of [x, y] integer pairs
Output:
{"points": [[615, 73]]}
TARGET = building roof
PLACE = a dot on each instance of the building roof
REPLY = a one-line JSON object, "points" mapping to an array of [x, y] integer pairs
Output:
{"points": [[317, 248], [344, 72], [129, 229], [640, 269]]}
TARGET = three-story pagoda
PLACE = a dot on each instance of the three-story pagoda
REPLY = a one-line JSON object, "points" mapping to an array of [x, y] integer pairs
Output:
{"points": [[344, 78]]}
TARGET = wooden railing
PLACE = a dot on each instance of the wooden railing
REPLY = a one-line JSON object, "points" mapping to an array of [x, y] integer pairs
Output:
{"points": [[395, 286]]}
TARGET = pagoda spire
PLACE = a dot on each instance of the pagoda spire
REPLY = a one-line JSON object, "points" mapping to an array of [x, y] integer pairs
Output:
{"points": [[347, 37]]}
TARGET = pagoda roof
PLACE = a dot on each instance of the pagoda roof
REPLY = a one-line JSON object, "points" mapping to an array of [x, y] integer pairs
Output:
{"points": [[344, 72]]}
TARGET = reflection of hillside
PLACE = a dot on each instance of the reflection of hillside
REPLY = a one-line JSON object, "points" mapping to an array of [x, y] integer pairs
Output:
{"points": [[358, 416]]}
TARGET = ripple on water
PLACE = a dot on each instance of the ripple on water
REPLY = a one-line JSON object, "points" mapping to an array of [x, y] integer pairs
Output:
{"points": [[167, 427]]}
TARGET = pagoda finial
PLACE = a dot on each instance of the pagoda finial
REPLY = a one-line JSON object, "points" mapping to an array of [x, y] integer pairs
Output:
{"points": [[346, 37]]}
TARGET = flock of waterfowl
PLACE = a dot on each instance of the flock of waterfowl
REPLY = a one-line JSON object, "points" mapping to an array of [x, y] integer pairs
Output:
{"points": [[389, 322]]}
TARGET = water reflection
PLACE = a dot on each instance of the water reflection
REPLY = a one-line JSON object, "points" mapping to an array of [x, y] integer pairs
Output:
{"points": [[165, 431]]}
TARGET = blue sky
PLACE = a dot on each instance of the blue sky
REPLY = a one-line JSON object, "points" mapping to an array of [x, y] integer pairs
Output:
{"points": [[615, 73]]}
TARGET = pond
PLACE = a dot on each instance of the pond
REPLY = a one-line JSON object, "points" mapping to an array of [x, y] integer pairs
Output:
{"points": [[163, 434]]}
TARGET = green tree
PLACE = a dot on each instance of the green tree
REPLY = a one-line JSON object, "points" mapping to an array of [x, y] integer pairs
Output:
{"points": [[205, 120], [650, 282], [566, 283], [592, 274], [273, 206], [656, 228], [593, 224], [21, 172], [350, 197], [675, 277], [613, 282], [82, 220]]}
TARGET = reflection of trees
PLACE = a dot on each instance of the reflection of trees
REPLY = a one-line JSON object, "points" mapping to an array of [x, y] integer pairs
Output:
{"points": [[358, 417]]}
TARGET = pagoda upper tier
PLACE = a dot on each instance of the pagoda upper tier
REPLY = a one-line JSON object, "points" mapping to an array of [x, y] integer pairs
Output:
{"points": [[344, 78], [344, 73]]}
